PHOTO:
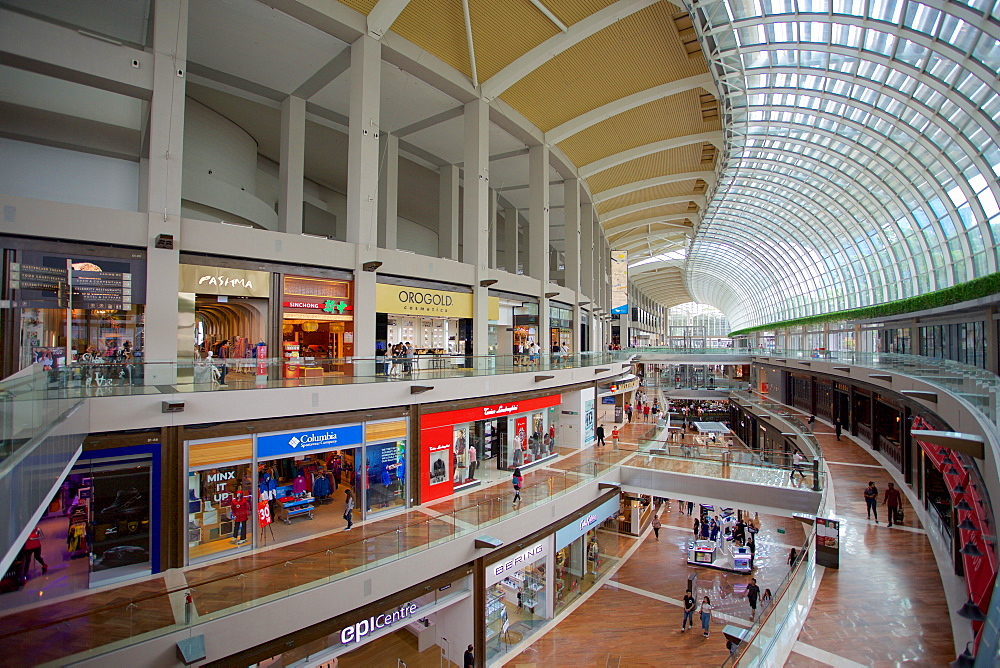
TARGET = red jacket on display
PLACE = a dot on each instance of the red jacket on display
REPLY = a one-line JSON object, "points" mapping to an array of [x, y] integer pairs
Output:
{"points": [[240, 509]]}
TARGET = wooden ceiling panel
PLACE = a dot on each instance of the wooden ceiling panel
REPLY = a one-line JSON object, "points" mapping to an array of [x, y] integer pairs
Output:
{"points": [[647, 194], [363, 6], [636, 53], [664, 163], [675, 116], [496, 44], [437, 26], [573, 11], [671, 210]]}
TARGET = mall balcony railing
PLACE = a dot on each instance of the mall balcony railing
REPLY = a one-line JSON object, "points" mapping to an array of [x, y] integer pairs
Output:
{"points": [[979, 387], [55, 633], [40, 437]]}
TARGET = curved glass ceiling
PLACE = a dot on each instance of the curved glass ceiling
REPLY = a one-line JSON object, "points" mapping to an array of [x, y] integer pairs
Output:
{"points": [[863, 150]]}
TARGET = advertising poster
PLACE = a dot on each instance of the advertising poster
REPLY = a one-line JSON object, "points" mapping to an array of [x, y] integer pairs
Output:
{"points": [[619, 282], [589, 417]]}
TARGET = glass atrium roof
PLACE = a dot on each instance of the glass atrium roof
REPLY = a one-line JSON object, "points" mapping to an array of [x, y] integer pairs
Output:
{"points": [[863, 150]]}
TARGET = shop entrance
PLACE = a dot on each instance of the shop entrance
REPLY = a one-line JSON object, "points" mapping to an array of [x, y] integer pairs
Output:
{"points": [[306, 493]]}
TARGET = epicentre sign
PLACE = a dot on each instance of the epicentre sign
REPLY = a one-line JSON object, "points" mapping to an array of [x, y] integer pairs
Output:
{"points": [[517, 562], [368, 626]]}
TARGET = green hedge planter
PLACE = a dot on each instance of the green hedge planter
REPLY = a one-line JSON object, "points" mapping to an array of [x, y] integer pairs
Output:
{"points": [[963, 292]]}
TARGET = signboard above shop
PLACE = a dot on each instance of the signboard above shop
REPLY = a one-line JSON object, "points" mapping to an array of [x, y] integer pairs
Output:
{"points": [[619, 282], [202, 280], [42, 280], [302, 443], [488, 412], [406, 300]]}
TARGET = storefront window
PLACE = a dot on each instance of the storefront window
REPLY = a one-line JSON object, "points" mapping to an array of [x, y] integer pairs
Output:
{"points": [[318, 319], [212, 522], [585, 550], [518, 592]]}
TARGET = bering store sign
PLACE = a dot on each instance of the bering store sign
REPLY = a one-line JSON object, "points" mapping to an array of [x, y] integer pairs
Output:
{"points": [[516, 562]]}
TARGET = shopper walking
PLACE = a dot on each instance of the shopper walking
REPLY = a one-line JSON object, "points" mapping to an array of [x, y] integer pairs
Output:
{"points": [[690, 507], [516, 480], [797, 466], [706, 615], [33, 548], [614, 437], [837, 428], [645, 413], [792, 556], [766, 598], [696, 526], [812, 422], [893, 500], [753, 592], [656, 526], [222, 354], [689, 606], [349, 507], [600, 434], [871, 500]]}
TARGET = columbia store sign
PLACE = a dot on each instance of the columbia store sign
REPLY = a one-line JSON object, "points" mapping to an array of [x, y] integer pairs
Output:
{"points": [[369, 626], [313, 440]]}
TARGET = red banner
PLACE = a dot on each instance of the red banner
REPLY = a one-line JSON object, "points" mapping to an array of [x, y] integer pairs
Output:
{"points": [[264, 514], [487, 412]]}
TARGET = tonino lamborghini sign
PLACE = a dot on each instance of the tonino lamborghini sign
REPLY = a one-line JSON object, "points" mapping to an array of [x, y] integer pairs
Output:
{"points": [[516, 562]]}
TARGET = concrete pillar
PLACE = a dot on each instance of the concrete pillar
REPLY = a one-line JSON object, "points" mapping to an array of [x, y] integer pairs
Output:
{"points": [[538, 214], [572, 222], [510, 240], [492, 254], [362, 147], [538, 233], [587, 249], [163, 190], [291, 171], [476, 216], [362, 184], [388, 191], [448, 223]]}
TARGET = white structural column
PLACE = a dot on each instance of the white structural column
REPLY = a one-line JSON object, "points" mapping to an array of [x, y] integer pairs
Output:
{"points": [[362, 184], [448, 213], [571, 259], [587, 266], [492, 256], [291, 171], [510, 239], [476, 216], [388, 191], [362, 146], [163, 189], [538, 233]]}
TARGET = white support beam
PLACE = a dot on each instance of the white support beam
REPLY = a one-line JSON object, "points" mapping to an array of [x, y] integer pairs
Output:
{"points": [[651, 204], [636, 272], [611, 193], [555, 45], [716, 138], [660, 220], [583, 121], [383, 15], [64, 53]]}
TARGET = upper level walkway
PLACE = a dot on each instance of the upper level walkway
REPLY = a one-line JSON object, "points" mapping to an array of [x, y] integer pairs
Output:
{"points": [[100, 621]]}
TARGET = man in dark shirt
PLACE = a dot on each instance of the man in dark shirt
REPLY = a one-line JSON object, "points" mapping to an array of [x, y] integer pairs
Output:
{"points": [[871, 500], [688, 620], [753, 593], [600, 434], [838, 427], [470, 659], [892, 500]]}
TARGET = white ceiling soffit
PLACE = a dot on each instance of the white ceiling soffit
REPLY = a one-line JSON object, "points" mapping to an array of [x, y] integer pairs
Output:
{"points": [[716, 138], [651, 204], [636, 272], [611, 193], [555, 45], [621, 105], [673, 221], [230, 36]]}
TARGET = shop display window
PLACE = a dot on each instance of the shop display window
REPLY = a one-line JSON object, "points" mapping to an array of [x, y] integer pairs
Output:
{"points": [[515, 606], [210, 518], [386, 472]]}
